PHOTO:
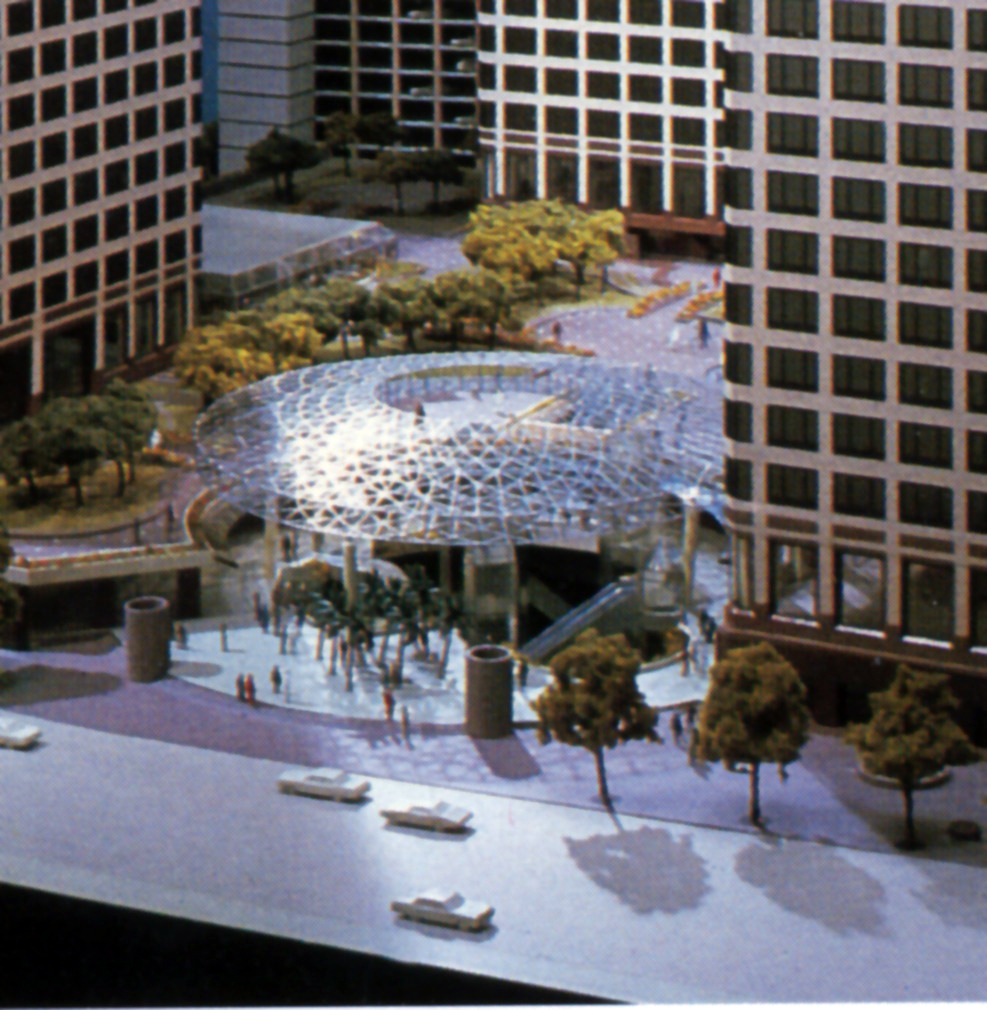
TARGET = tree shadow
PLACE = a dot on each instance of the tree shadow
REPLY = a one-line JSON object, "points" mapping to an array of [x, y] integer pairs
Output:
{"points": [[816, 883], [36, 684], [507, 758], [649, 869]]}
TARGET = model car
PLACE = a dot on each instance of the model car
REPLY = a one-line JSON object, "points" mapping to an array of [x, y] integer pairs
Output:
{"points": [[325, 783], [440, 816], [14, 733], [445, 908]]}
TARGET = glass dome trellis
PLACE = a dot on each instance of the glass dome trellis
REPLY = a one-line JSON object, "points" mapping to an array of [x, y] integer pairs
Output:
{"points": [[466, 448]]}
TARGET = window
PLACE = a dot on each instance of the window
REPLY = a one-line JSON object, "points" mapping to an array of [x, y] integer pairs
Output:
{"points": [[928, 266], [976, 511], [175, 159], [738, 246], [174, 71], [145, 168], [794, 486], [20, 17], [976, 90], [858, 199], [858, 258], [601, 10], [925, 385], [858, 377], [176, 250], [856, 435], [645, 50], [145, 78], [739, 479], [645, 89], [146, 123], [858, 80], [85, 279], [175, 203], [738, 420], [925, 444], [85, 187], [793, 75], [561, 82], [20, 65], [85, 233], [738, 129], [793, 428], [114, 42], [54, 290], [53, 57], [54, 196], [22, 254], [976, 330], [116, 177], [925, 504], [20, 159], [978, 607], [647, 128], [116, 267], [54, 243], [928, 604], [54, 150], [737, 363], [21, 206], [925, 325], [82, 9], [515, 8], [598, 85], [797, 19], [739, 72], [797, 311], [792, 369], [53, 103], [976, 270], [742, 570], [857, 495], [793, 578], [925, 146], [920, 25], [738, 188], [116, 223], [976, 392], [174, 115], [516, 117], [603, 124], [738, 304], [146, 34], [793, 193], [147, 252], [856, 316], [52, 13], [84, 49], [520, 79], [860, 590], [85, 95], [688, 92], [602, 46], [924, 85], [116, 132], [22, 301], [85, 141], [642, 12], [976, 30], [976, 210], [976, 451], [688, 14], [561, 120], [174, 27], [925, 206], [20, 112], [688, 53], [115, 87], [858, 140], [793, 134], [557, 43]]}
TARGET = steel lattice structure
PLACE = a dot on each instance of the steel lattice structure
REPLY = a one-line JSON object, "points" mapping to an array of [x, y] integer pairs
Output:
{"points": [[466, 448]]}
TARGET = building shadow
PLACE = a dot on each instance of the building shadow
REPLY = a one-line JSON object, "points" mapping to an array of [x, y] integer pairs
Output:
{"points": [[649, 869], [507, 758], [815, 882], [36, 684]]}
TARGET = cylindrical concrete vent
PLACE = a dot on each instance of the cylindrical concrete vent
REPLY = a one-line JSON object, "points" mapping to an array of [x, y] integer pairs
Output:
{"points": [[147, 622], [489, 692]]}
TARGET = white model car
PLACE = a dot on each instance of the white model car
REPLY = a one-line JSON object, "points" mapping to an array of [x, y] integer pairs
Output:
{"points": [[440, 816], [445, 908], [326, 783], [14, 733]]}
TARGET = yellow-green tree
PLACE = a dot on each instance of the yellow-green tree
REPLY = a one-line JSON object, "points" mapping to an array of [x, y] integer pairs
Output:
{"points": [[594, 701], [911, 735], [413, 306], [245, 347]]}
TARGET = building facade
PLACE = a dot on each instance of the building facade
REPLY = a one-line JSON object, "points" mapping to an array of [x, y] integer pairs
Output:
{"points": [[856, 352], [101, 237], [414, 59], [607, 103]]}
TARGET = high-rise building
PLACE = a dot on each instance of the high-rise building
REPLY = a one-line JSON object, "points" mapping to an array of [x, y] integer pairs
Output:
{"points": [[414, 59], [100, 239], [856, 354], [607, 103]]}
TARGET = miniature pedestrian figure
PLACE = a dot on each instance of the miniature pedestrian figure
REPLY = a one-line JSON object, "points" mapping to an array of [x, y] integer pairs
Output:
{"points": [[388, 704], [263, 617], [716, 277], [240, 688], [283, 645], [181, 636], [557, 331], [710, 630], [405, 724], [276, 680], [676, 724], [223, 643], [249, 689], [419, 412], [703, 335]]}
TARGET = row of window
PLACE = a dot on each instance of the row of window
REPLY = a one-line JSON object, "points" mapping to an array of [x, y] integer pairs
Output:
{"points": [[28, 15], [597, 46], [594, 84], [26, 299], [83, 187], [453, 10], [859, 377], [862, 436], [55, 243], [566, 121], [919, 145], [856, 495], [685, 13], [56, 102], [852, 257], [29, 62], [922, 25]]}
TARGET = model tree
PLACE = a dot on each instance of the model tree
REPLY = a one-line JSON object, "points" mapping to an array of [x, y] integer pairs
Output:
{"points": [[588, 240], [415, 304], [280, 156], [338, 136], [594, 701], [511, 241], [438, 167], [27, 453], [755, 713], [378, 130], [128, 417], [10, 601], [911, 735], [394, 168]]}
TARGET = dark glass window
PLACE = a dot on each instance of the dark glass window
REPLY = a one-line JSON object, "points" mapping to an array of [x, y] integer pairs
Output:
{"points": [[976, 30], [793, 486], [20, 17], [858, 80], [645, 89], [861, 377], [795, 251], [921, 25], [739, 72], [116, 177], [643, 12], [647, 128], [859, 258], [856, 495], [603, 124], [602, 85], [21, 159], [561, 82], [688, 92], [115, 42], [84, 49], [976, 330], [54, 196], [145, 168], [738, 304], [925, 505], [858, 139], [53, 57], [174, 27], [976, 210], [738, 363], [117, 267], [21, 206], [146, 78], [923, 85], [858, 22], [925, 206], [738, 188], [688, 14], [116, 223], [925, 444], [736, 16], [53, 103], [738, 246], [116, 132], [176, 203], [83, 9], [175, 159], [602, 46], [857, 199], [519, 40], [115, 87], [976, 270], [174, 71], [520, 79], [85, 187], [145, 34], [516, 117], [976, 392], [928, 266], [174, 114], [738, 131], [146, 123], [856, 435], [856, 316], [561, 120], [20, 65], [925, 325], [793, 75], [688, 53], [52, 13], [738, 420], [645, 50], [22, 254], [54, 243], [925, 146], [20, 113], [792, 369], [689, 132], [793, 18], [54, 150], [146, 213], [793, 134], [559, 43], [793, 428], [85, 94], [85, 141], [85, 233], [976, 90], [925, 385], [739, 479], [22, 301], [85, 279], [146, 257], [976, 451]]}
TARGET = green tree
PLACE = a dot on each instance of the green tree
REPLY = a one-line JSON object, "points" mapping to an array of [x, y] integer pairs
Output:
{"points": [[378, 130], [396, 169], [279, 156], [508, 240], [588, 240], [128, 417], [755, 712], [481, 297], [911, 735], [75, 427], [10, 601], [594, 701], [438, 167], [338, 137], [245, 347], [27, 452], [414, 304], [315, 302]]}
